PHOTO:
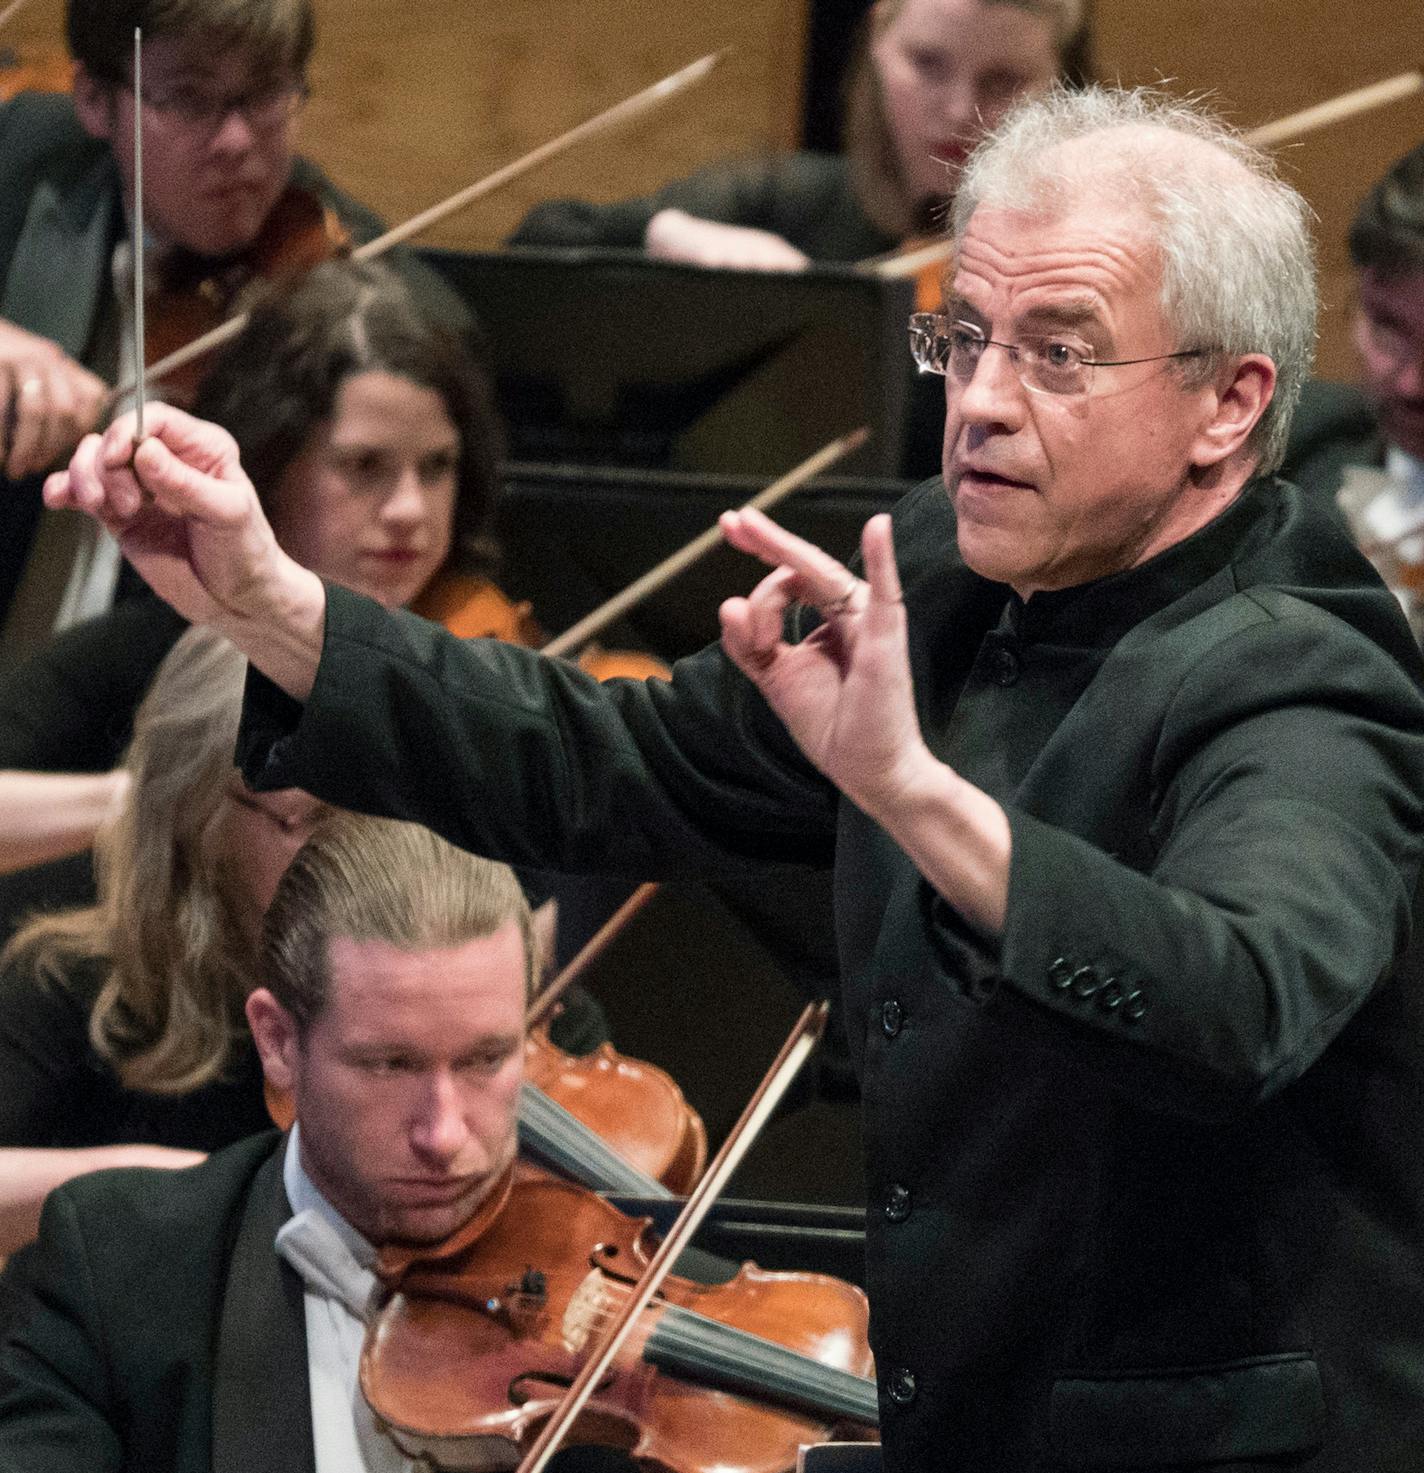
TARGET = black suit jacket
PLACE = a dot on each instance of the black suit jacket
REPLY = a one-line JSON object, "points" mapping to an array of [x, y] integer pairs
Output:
{"points": [[164, 1334]]}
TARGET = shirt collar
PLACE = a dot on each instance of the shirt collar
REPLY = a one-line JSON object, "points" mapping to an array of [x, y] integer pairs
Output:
{"points": [[303, 1193], [1097, 615]]}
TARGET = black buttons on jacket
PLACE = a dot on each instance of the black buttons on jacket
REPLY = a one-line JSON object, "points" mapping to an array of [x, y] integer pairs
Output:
{"points": [[1086, 983], [892, 1017], [897, 1203], [1003, 666], [900, 1383]]}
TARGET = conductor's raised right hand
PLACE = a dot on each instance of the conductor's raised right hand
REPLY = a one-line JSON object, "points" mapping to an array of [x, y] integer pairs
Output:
{"points": [[187, 517]]}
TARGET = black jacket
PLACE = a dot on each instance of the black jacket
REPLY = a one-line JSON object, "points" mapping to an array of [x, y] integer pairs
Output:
{"points": [[1145, 1179], [806, 198]]}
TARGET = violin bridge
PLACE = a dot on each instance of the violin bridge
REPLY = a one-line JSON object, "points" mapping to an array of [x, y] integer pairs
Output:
{"points": [[588, 1311]]}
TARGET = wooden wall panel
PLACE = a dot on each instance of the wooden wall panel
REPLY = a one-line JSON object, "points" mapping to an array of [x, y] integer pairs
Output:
{"points": [[1266, 58], [412, 102]]}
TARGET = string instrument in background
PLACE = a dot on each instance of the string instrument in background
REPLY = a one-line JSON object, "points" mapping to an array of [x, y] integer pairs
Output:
{"points": [[474, 608], [197, 295]]}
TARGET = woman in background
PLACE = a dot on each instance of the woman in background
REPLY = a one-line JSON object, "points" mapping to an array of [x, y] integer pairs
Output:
{"points": [[931, 77], [122, 1036]]}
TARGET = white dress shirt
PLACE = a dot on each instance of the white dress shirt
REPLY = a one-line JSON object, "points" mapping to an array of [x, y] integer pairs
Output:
{"points": [[335, 1263]]}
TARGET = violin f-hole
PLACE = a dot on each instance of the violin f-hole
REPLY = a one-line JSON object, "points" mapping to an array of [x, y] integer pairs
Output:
{"points": [[533, 1385]]}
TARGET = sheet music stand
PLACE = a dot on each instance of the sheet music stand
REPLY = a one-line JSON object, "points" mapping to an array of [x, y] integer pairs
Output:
{"points": [[606, 357]]}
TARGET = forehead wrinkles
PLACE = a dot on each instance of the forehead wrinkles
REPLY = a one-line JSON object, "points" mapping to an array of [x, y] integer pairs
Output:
{"points": [[1017, 264]]}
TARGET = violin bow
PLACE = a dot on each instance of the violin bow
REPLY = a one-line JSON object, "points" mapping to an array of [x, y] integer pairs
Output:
{"points": [[11, 10], [644, 587], [588, 953], [618, 116], [903, 265], [794, 1053]]}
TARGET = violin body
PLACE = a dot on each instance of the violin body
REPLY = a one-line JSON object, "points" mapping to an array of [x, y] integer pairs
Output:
{"points": [[197, 295], [473, 608], [474, 1347], [636, 1108]]}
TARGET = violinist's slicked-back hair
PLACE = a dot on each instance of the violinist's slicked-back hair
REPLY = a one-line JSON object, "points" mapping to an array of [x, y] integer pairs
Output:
{"points": [[1387, 235], [1238, 267], [275, 383], [277, 35], [377, 879]]}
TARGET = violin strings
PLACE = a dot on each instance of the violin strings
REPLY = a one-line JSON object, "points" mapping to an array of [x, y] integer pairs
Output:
{"points": [[700, 1347]]}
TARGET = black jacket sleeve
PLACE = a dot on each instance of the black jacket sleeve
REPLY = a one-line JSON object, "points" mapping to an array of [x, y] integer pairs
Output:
{"points": [[530, 760]]}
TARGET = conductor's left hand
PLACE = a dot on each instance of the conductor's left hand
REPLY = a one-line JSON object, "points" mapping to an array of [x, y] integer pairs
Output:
{"points": [[844, 692]]}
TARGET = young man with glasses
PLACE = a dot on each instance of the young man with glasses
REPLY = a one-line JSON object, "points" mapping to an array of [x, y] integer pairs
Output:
{"points": [[1117, 750], [223, 85]]}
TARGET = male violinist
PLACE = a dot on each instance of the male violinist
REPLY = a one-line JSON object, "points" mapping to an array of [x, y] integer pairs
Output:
{"points": [[1366, 446], [223, 85], [213, 1318], [1116, 746]]}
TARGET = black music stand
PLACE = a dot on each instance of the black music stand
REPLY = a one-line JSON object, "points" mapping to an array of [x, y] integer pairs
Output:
{"points": [[608, 358]]}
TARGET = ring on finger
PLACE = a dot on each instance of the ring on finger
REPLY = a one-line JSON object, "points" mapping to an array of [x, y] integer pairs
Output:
{"points": [[841, 602]]}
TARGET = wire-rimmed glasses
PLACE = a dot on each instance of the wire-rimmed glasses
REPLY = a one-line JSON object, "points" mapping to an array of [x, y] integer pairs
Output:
{"points": [[1047, 363]]}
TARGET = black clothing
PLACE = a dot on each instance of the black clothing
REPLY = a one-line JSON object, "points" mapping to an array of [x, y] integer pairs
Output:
{"points": [[1147, 1171], [1334, 427], [806, 198], [69, 706], [165, 1334], [56, 1091]]}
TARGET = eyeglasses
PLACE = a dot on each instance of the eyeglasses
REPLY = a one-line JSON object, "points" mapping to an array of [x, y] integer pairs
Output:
{"points": [[264, 108], [1045, 365]]}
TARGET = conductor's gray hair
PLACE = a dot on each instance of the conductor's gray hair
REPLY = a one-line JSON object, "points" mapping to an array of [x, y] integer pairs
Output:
{"points": [[1238, 266]]}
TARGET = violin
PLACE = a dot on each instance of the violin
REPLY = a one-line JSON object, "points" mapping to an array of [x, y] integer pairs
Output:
{"points": [[197, 294], [478, 1339], [473, 608], [634, 1108]]}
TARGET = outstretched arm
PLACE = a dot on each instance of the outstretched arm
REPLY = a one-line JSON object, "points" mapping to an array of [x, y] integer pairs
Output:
{"points": [[187, 517], [28, 1174], [47, 815], [846, 697]]}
